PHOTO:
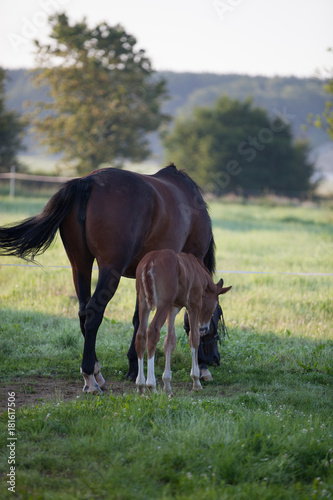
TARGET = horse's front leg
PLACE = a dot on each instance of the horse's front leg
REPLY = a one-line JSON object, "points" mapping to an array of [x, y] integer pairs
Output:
{"points": [[132, 354]]}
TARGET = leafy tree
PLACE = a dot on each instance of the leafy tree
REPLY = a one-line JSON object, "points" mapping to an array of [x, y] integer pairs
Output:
{"points": [[104, 97], [11, 129], [237, 147], [325, 120]]}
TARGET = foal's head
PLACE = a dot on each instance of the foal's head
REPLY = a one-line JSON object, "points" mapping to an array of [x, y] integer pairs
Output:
{"points": [[210, 299]]}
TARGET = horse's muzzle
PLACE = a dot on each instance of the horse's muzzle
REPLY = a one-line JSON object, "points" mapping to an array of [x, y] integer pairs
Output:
{"points": [[204, 330]]}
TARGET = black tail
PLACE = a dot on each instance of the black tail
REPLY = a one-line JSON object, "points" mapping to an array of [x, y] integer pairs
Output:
{"points": [[209, 259], [34, 235]]}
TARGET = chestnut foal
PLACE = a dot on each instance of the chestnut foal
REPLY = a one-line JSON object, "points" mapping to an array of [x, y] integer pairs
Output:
{"points": [[167, 281]]}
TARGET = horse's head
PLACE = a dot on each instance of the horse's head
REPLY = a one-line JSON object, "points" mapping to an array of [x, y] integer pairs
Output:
{"points": [[209, 342]]}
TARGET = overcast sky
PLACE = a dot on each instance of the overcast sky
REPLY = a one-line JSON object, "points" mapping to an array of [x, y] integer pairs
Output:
{"points": [[257, 37]]}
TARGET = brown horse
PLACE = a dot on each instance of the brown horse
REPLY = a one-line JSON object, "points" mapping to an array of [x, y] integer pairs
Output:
{"points": [[167, 282], [115, 217]]}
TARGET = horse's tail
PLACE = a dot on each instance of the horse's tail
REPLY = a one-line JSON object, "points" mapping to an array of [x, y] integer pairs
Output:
{"points": [[149, 286], [33, 236], [209, 259]]}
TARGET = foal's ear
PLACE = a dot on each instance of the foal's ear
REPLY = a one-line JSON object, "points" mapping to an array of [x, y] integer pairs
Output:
{"points": [[220, 289]]}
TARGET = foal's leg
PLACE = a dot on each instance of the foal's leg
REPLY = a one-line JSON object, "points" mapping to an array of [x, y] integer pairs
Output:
{"points": [[140, 345], [153, 334], [194, 338], [169, 345]]}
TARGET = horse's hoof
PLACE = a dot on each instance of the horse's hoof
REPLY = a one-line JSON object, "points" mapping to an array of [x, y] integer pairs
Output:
{"points": [[131, 375], [100, 381], [206, 375], [92, 390]]}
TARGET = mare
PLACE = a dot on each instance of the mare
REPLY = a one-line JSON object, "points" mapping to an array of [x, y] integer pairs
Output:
{"points": [[114, 217], [167, 281]]}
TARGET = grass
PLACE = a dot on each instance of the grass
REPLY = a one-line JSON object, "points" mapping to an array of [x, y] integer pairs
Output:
{"points": [[263, 427]]}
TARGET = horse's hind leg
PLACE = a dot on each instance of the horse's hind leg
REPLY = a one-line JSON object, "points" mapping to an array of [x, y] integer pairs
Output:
{"points": [[82, 282], [81, 261], [106, 286]]}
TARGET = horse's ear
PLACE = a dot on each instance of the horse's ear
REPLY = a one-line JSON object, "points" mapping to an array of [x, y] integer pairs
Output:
{"points": [[220, 289]]}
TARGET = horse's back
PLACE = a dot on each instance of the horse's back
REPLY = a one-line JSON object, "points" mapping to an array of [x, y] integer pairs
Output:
{"points": [[129, 214]]}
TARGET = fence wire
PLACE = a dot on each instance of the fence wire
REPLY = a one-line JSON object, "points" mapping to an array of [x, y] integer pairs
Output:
{"points": [[220, 271]]}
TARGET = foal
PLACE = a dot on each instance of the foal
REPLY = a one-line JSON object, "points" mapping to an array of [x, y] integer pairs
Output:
{"points": [[167, 281]]}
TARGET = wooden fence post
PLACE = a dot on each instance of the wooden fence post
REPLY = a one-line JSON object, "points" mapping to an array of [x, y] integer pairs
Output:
{"points": [[12, 182]]}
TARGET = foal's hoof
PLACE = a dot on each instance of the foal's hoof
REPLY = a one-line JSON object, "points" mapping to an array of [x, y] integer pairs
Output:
{"points": [[152, 389], [206, 375]]}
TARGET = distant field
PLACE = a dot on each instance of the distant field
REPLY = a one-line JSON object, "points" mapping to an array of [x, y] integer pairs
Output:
{"points": [[49, 165], [262, 429]]}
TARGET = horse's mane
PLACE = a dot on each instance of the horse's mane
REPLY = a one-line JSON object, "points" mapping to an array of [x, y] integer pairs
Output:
{"points": [[185, 175], [209, 260]]}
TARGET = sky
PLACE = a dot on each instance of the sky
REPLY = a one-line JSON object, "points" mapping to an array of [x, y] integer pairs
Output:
{"points": [[255, 37]]}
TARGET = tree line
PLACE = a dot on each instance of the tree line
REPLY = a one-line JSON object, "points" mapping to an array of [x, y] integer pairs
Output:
{"points": [[102, 99]]}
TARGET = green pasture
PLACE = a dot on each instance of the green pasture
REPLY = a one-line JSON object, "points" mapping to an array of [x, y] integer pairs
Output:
{"points": [[262, 429]]}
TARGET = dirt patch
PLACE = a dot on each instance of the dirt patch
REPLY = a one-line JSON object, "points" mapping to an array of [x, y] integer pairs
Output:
{"points": [[36, 390]]}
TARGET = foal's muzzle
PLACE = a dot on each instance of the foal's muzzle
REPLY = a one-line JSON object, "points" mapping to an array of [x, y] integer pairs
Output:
{"points": [[204, 330]]}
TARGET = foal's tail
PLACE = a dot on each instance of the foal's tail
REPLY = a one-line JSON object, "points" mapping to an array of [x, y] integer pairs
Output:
{"points": [[33, 236], [149, 286]]}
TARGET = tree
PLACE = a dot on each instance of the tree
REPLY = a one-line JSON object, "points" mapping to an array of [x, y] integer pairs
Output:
{"points": [[325, 120], [11, 129], [237, 147], [104, 97]]}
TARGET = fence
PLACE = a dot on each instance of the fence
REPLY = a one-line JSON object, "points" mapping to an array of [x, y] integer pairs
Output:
{"points": [[13, 176]]}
